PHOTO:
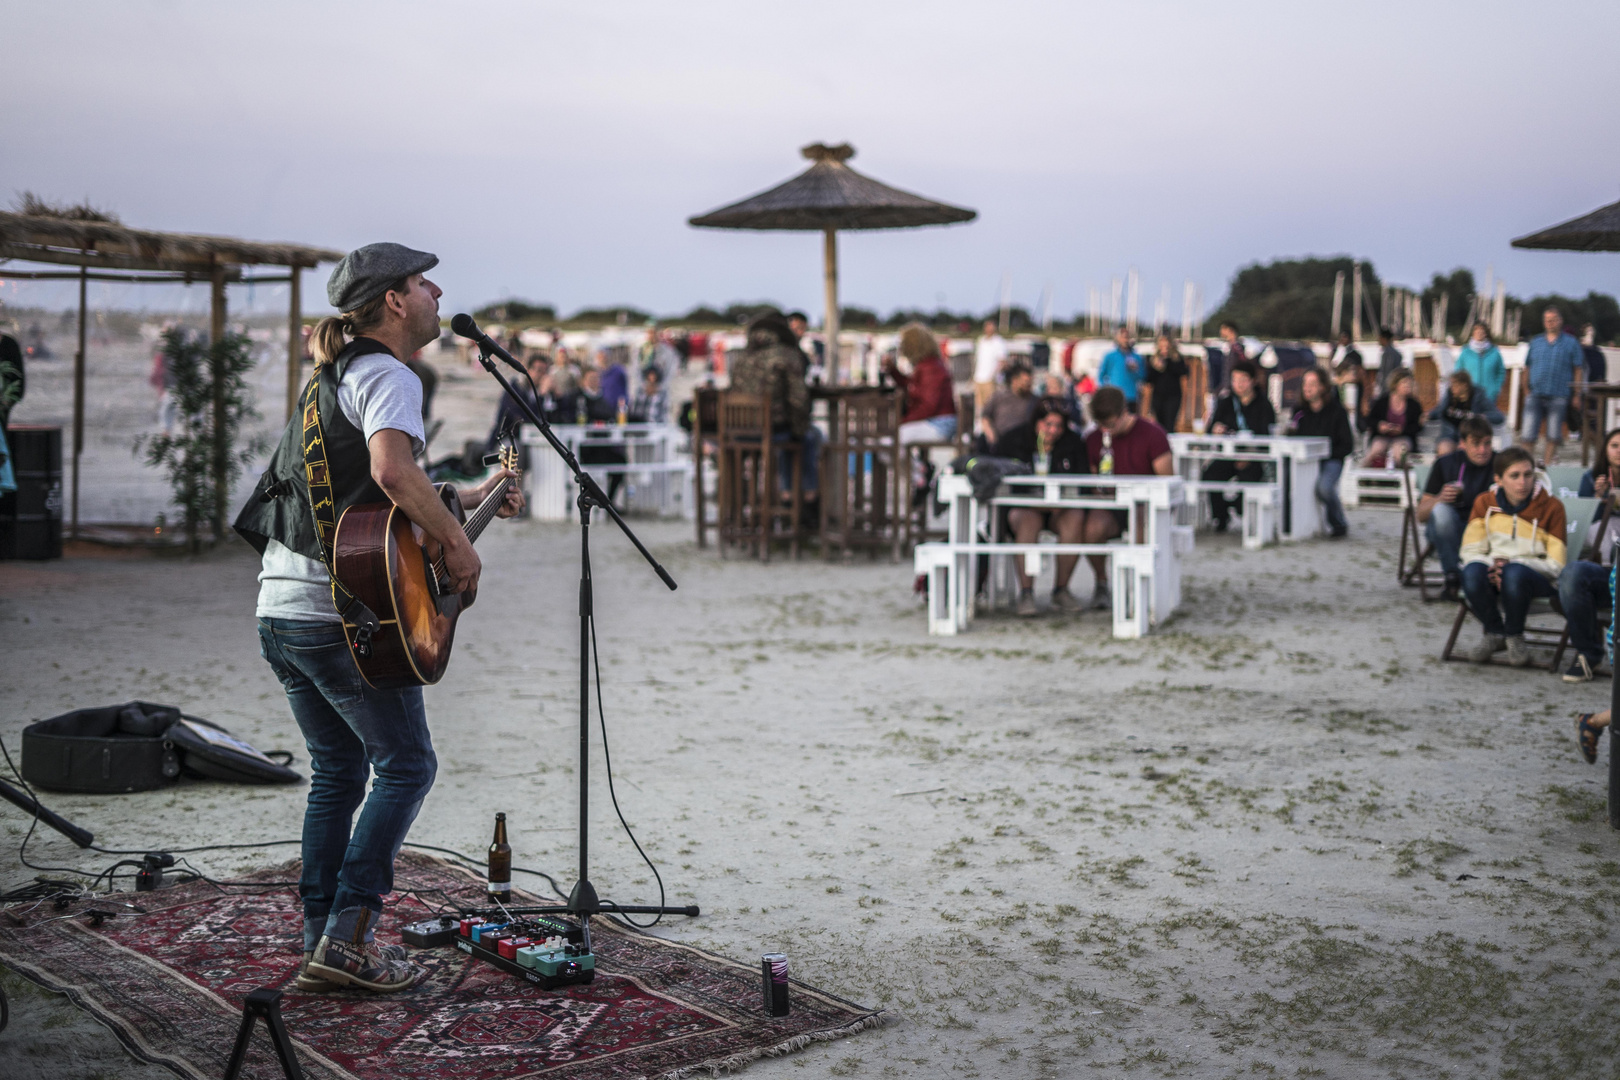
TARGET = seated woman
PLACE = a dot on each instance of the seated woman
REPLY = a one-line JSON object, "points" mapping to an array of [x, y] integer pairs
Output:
{"points": [[1047, 446], [1460, 400], [1323, 415], [1512, 552], [1394, 420], [930, 414], [1604, 475]]}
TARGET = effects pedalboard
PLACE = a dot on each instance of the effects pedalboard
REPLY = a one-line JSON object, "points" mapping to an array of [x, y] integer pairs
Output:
{"points": [[547, 951]]}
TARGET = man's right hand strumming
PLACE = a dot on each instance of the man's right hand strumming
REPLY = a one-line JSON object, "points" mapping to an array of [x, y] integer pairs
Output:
{"points": [[394, 468]]}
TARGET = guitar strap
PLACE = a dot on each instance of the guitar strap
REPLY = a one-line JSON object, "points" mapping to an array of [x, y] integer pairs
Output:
{"points": [[355, 615]]}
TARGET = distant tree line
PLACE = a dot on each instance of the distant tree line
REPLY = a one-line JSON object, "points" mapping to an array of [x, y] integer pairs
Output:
{"points": [[1293, 298]]}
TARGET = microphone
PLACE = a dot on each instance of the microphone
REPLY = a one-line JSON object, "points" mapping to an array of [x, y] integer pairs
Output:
{"points": [[462, 325]]}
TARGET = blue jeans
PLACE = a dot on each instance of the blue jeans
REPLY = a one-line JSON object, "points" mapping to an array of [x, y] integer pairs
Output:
{"points": [[1544, 406], [1520, 585], [348, 727], [1583, 591], [1445, 530], [1327, 493], [809, 456]]}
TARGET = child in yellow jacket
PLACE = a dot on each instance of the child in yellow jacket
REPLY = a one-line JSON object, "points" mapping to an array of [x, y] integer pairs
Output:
{"points": [[1512, 553]]}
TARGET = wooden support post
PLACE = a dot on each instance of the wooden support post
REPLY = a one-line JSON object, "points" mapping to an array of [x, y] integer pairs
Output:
{"points": [[216, 332], [295, 341], [78, 398], [829, 274]]}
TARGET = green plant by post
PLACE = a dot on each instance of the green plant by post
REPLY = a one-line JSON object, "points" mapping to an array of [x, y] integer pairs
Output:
{"points": [[200, 453]]}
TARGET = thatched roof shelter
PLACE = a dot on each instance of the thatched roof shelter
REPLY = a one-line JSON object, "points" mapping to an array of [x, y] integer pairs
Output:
{"points": [[1597, 231], [104, 249], [827, 197], [109, 245]]}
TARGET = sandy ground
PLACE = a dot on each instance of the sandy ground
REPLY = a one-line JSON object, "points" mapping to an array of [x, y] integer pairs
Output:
{"points": [[1278, 837]]}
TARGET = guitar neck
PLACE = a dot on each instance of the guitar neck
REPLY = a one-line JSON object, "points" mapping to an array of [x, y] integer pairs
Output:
{"points": [[479, 518]]}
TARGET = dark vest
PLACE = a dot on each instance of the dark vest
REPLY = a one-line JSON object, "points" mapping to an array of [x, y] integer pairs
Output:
{"points": [[279, 506]]}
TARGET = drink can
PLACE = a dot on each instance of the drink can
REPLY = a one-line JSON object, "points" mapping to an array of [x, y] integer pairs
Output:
{"points": [[774, 969]]}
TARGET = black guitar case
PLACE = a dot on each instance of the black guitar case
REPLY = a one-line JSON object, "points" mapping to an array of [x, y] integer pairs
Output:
{"points": [[139, 746]]}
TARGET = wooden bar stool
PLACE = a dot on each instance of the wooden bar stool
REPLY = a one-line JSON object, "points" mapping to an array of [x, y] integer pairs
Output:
{"points": [[754, 509], [862, 475]]}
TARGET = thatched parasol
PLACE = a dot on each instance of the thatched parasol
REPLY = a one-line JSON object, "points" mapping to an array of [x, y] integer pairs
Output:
{"points": [[830, 196], [1597, 231]]}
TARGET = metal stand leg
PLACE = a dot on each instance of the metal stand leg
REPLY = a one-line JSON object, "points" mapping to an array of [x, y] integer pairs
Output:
{"points": [[263, 1002]]}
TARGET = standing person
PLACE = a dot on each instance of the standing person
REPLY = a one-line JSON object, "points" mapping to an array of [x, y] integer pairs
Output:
{"points": [[1121, 444], [1323, 415], [930, 413], [1550, 368], [651, 403], [1221, 365], [508, 417], [1583, 587], [1165, 374], [1456, 480], [1461, 400], [1122, 367], [1513, 552], [815, 351], [1597, 365], [368, 412], [615, 379], [1390, 359], [989, 357], [1395, 421], [1482, 360], [1047, 446], [1242, 409]]}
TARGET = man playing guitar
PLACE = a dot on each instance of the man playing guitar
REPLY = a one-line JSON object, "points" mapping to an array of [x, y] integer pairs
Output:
{"points": [[354, 441]]}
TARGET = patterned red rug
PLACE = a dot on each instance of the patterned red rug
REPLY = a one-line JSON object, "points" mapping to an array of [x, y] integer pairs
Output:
{"points": [[171, 983]]}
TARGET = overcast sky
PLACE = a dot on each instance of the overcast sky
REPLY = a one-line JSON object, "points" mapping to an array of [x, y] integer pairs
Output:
{"points": [[554, 151]]}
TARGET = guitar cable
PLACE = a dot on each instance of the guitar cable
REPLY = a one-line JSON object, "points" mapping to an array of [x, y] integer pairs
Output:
{"points": [[601, 715]]}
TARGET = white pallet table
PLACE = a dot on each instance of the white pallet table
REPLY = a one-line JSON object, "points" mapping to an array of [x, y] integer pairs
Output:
{"points": [[655, 464], [1145, 562], [1296, 461]]}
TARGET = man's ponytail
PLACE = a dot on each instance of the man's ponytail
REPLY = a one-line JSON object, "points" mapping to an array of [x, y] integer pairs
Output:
{"points": [[330, 333], [327, 339]]}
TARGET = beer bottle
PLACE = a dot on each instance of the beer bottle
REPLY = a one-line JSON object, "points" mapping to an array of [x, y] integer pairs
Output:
{"points": [[500, 863]]}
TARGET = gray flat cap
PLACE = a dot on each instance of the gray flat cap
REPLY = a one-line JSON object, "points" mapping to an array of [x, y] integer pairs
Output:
{"points": [[366, 273]]}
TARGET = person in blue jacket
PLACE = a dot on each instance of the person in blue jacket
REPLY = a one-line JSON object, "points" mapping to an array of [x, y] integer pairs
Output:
{"points": [[1483, 362], [1123, 368]]}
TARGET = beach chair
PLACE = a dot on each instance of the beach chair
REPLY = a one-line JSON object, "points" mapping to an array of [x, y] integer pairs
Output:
{"points": [[1411, 570], [1577, 516], [1564, 481]]}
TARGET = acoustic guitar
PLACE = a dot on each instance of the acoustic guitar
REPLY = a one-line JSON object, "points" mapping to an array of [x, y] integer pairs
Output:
{"points": [[389, 564]]}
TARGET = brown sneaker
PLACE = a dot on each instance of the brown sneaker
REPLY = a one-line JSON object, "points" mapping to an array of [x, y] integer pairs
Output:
{"points": [[314, 984], [1063, 600], [366, 965]]}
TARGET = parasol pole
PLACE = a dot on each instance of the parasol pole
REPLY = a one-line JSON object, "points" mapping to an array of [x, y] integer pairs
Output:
{"points": [[829, 274]]}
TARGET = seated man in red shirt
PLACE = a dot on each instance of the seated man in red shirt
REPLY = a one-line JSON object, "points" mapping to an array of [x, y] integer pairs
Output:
{"points": [[1125, 445]]}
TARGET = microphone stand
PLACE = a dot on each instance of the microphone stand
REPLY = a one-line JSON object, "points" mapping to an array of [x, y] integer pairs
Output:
{"points": [[583, 901]]}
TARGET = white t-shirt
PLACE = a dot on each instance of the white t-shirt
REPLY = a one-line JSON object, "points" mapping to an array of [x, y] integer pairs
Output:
{"points": [[987, 358], [377, 393]]}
